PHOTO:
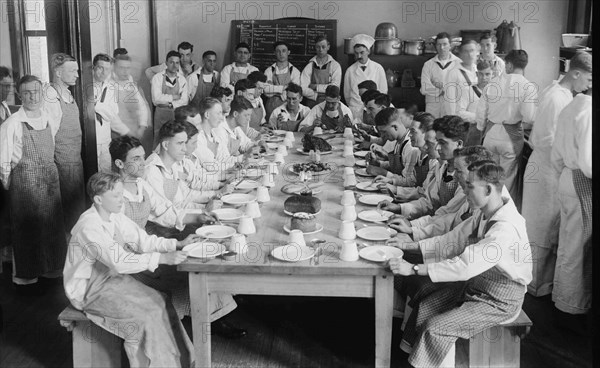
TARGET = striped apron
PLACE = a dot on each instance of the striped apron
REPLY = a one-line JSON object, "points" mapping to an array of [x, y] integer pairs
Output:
{"points": [[395, 158], [138, 212], [67, 156], [583, 188], [141, 316], [37, 222], [203, 90], [447, 190], [278, 80]]}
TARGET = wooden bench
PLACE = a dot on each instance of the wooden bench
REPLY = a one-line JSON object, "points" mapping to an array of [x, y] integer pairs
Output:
{"points": [[92, 345], [498, 346]]}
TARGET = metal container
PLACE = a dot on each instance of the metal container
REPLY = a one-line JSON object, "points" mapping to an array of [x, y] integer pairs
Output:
{"points": [[348, 49], [413, 47], [392, 46], [386, 30]]}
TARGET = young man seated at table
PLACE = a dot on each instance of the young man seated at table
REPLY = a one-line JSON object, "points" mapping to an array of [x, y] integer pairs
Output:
{"points": [[224, 95], [422, 136], [289, 115], [393, 125], [494, 286], [329, 114], [250, 90], [233, 129], [164, 170], [106, 247], [145, 207], [442, 192]]}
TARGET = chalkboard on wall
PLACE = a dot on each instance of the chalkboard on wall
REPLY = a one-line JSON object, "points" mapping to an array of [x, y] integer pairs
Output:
{"points": [[299, 33]]}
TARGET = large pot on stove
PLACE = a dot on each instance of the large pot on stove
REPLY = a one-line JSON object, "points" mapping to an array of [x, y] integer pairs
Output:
{"points": [[413, 47], [387, 46]]}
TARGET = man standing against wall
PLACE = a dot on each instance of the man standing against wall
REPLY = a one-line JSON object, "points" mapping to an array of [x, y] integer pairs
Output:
{"points": [[321, 71]]}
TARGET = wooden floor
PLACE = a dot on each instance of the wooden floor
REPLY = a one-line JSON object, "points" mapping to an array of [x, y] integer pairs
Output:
{"points": [[283, 332]]}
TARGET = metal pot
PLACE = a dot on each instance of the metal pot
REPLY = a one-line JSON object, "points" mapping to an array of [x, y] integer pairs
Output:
{"points": [[392, 46], [413, 47], [386, 30], [348, 49]]}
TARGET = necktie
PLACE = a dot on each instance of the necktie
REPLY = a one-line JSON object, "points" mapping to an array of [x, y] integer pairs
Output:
{"points": [[98, 116], [363, 68], [466, 215]]}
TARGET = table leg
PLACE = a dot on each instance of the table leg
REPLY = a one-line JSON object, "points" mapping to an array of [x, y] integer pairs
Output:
{"points": [[199, 305], [384, 303]]}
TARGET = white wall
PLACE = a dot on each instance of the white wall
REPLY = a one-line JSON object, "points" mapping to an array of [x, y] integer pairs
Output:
{"points": [[5, 49], [206, 24]]}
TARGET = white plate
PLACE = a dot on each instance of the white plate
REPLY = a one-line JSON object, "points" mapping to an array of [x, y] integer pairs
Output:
{"points": [[361, 163], [296, 188], [204, 250], [253, 172], [374, 216], [280, 132], [374, 199], [238, 198], [291, 214], [293, 253], [228, 214], [319, 228], [301, 150], [361, 154], [376, 233], [215, 231], [372, 253], [272, 145], [314, 173], [247, 184], [274, 139], [367, 186], [363, 172]]}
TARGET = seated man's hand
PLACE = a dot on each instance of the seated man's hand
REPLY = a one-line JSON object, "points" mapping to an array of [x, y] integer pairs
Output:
{"points": [[207, 219], [402, 241], [387, 188], [376, 170], [190, 239], [213, 204], [399, 266], [389, 206], [401, 224], [172, 258], [382, 179], [227, 189]]}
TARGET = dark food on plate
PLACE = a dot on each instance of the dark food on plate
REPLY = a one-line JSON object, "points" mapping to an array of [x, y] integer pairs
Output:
{"points": [[310, 142], [304, 222], [310, 166], [302, 203]]}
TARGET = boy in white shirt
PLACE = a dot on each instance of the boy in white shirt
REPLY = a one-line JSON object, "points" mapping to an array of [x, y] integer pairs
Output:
{"points": [[289, 115], [251, 90], [488, 45], [202, 81], [320, 72], [239, 69], [279, 75]]}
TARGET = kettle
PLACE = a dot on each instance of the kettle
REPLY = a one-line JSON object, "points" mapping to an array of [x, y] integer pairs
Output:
{"points": [[391, 77], [500, 32], [512, 38]]}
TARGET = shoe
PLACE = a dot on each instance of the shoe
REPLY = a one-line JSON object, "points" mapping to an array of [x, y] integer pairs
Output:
{"points": [[227, 330]]}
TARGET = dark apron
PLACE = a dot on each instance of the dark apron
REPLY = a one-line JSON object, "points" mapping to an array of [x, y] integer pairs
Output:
{"points": [[203, 90], [278, 80], [395, 158], [421, 172], [67, 156], [291, 125], [37, 222], [333, 123], [164, 114], [256, 118], [583, 188], [236, 76], [138, 212]]}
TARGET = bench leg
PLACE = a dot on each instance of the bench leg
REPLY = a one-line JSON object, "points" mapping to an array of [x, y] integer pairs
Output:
{"points": [[95, 347], [495, 347]]}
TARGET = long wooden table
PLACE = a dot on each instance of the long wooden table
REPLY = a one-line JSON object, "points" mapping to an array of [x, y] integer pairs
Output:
{"points": [[257, 272]]}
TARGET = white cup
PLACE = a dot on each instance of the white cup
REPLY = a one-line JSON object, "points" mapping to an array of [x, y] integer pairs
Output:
{"points": [[348, 198], [290, 136], [348, 213], [252, 209], [246, 225], [282, 149], [349, 251], [348, 133], [267, 181], [317, 130], [278, 158], [272, 168], [238, 244], [262, 194], [348, 151], [349, 161], [347, 231], [350, 181], [348, 142], [348, 171], [297, 237], [288, 143]]}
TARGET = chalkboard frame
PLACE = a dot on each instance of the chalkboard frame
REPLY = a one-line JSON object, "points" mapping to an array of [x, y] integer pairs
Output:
{"points": [[298, 60]]}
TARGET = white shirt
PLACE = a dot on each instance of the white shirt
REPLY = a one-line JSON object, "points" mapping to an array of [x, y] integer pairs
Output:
{"points": [[303, 111], [225, 133], [198, 177], [226, 73], [335, 77], [317, 111], [410, 156], [52, 102], [573, 140], [432, 72], [11, 139], [185, 197], [505, 246], [273, 89], [108, 109], [410, 193], [218, 161], [507, 99], [162, 210], [93, 240], [458, 93], [4, 111], [192, 80], [553, 99], [354, 75], [158, 98], [498, 65]]}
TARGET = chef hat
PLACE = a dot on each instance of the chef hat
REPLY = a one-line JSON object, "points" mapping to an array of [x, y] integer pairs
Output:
{"points": [[362, 39]]}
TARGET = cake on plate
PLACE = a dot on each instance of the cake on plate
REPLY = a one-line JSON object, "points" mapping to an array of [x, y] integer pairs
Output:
{"points": [[302, 203], [304, 222]]}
